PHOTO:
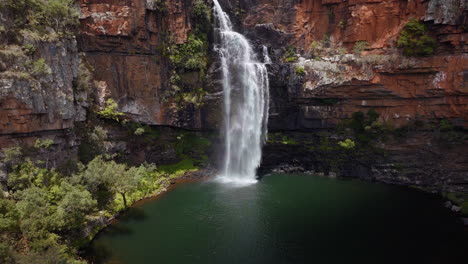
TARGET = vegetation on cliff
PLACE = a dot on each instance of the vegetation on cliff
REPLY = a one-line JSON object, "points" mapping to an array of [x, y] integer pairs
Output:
{"points": [[37, 17], [415, 39]]}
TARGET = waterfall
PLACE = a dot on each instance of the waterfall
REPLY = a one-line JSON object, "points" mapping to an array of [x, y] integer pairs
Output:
{"points": [[246, 94]]}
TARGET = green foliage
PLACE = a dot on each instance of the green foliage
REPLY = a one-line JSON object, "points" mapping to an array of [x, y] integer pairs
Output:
{"points": [[347, 144], [415, 39], [84, 78], [322, 48], [45, 205], [39, 144], [192, 55], [139, 131], [40, 68], [92, 144], [363, 126], [29, 49], [12, 155], [281, 138], [179, 168], [191, 145], [8, 216], [445, 125], [110, 111], [459, 199], [360, 46], [27, 175], [300, 71], [5, 253], [74, 202], [450, 133], [290, 54], [202, 15], [61, 15]]}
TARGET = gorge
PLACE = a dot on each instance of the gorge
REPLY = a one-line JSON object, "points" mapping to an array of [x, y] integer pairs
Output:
{"points": [[105, 103]]}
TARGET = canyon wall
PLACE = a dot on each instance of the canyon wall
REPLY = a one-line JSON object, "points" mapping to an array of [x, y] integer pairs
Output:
{"points": [[127, 46], [400, 88]]}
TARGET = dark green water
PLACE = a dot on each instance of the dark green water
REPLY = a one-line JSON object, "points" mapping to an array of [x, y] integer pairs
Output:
{"points": [[286, 219]]}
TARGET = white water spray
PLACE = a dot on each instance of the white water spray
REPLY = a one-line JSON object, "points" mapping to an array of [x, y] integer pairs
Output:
{"points": [[246, 95]]}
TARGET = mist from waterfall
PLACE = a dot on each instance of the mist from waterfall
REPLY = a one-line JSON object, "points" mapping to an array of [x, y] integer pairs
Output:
{"points": [[246, 94]]}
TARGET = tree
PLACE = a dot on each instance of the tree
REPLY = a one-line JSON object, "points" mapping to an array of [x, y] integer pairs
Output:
{"points": [[128, 181], [415, 40], [74, 204], [110, 111], [8, 215], [27, 174], [35, 212]]}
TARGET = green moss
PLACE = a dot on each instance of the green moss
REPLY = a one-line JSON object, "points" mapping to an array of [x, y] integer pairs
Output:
{"points": [[415, 39], [179, 168]]}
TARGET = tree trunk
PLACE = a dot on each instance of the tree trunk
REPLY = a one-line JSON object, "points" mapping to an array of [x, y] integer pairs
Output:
{"points": [[124, 199]]}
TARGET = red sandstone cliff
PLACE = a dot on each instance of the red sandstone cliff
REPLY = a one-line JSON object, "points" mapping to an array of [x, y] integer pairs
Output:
{"points": [[399, 88]]}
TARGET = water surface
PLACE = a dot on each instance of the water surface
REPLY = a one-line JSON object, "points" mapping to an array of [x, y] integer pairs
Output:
{"points": [[286, 219]]}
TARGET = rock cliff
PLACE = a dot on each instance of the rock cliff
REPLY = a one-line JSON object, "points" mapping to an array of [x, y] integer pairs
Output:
{"points": [[331, 58]]}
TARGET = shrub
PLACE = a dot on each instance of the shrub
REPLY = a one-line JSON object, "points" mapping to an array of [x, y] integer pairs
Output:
{"points": [[191, 55], [40, 68], [415, 40], [83, 80], [202, 14], [39, 144], [139, 131], [445, 125], [29, 49], [110, 111], [360, 46], [300, 71], [347, 144], [12, 155], [290, 54]]}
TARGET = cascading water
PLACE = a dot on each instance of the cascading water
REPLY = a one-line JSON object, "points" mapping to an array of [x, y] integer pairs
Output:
{"points": [[246, 94]]}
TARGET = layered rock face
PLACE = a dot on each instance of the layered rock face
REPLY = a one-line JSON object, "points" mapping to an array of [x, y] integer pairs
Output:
{"points": [[44, 101], [400, 89], [127, 42]]}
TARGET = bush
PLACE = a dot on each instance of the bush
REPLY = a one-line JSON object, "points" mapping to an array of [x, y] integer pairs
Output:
{"points": [[347, 144], [360, 46], [139, 131], [300, 71], [83, 80], [40, 68], [110, 111], [415, 40], [192, 55], [202, 14], [290, 54]]}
